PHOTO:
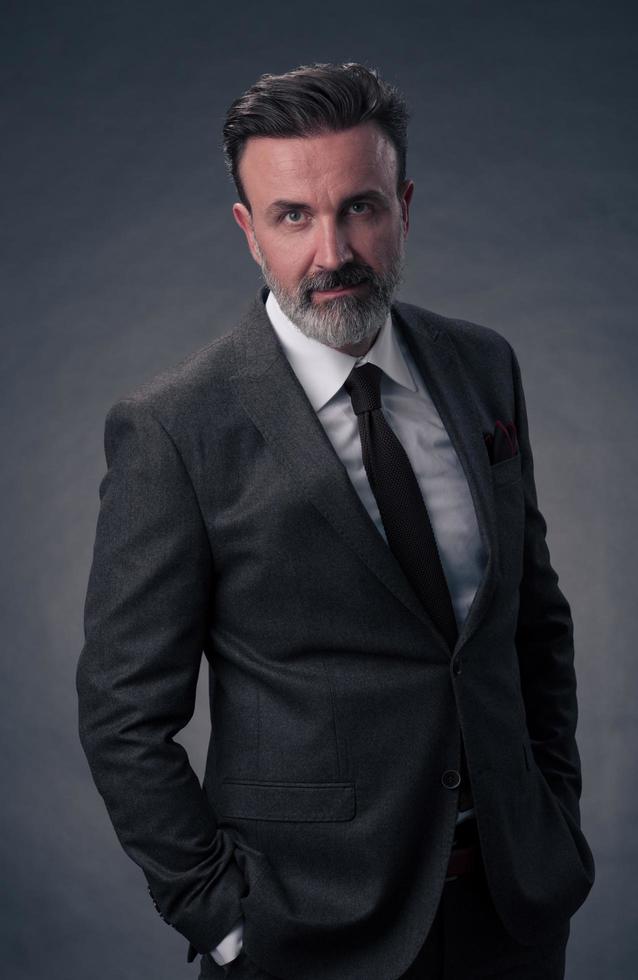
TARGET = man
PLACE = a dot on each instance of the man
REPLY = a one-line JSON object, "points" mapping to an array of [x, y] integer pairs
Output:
{"points": [[336, 503]]}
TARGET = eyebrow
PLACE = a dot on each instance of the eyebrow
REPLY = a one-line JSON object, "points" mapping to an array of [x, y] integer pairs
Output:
{"points": [[281, 205]]}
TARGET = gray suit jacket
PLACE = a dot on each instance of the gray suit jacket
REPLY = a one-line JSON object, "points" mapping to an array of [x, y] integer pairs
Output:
{"points": [[228, 525]]}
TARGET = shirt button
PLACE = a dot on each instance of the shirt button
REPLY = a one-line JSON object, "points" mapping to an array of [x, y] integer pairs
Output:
{"points": [[451, 778]]}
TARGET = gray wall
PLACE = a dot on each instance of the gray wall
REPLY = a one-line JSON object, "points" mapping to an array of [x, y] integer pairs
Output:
{"points": [[121, 256]]}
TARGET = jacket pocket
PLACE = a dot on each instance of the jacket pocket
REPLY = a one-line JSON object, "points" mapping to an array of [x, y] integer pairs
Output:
{"points": [[507, 470], [261, 800]]}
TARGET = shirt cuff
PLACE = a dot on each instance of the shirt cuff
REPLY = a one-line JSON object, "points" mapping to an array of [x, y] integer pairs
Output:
{"points": [[230, 946]]}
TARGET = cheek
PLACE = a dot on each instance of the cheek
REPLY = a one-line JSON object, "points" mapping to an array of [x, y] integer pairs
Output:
{"points": [[377, 254], [289, 260], [376, 246]]}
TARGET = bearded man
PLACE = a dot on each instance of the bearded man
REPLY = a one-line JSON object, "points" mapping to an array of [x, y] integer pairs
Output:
{"points": [[335, 503]]}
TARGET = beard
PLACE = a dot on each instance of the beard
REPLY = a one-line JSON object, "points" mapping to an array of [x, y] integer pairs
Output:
{"points": [[342, 320]]}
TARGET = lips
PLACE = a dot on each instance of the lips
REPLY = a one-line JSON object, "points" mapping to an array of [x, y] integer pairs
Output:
{"points": [[339, 290]]}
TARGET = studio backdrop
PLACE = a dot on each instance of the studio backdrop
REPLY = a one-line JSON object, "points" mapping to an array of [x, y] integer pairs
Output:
{"points": [[120, 257]]}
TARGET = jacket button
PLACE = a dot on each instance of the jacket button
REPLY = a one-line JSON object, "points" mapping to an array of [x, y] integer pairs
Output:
{"points": [[456, 666], [451, 778]]}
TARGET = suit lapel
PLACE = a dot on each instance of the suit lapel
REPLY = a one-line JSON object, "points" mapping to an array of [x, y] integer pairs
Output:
{"points": [[277, 404], [439, 363]]}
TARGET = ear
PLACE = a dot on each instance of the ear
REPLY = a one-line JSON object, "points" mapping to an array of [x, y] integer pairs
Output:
{"points": [[244, 219], [405, 198]]}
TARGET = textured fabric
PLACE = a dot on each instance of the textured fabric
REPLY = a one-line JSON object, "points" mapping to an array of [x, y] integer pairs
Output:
{"points": [[322, 370], [228, 524], [404, 514], [403, 511], [467, 941], [413, 414]]}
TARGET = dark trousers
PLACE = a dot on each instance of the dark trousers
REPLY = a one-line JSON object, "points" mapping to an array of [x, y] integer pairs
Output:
{"points": [[467, 941]]}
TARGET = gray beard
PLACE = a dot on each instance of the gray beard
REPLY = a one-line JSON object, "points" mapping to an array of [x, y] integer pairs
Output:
{"points": [[343, 320]]}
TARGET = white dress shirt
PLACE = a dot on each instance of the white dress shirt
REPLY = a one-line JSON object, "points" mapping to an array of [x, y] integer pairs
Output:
{"points": [[409, 410]]}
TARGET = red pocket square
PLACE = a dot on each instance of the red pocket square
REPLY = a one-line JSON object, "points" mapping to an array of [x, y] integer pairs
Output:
{"points": [[502, 444]]}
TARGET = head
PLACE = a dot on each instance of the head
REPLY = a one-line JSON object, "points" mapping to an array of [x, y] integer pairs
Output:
{"points": [[318, 158]]}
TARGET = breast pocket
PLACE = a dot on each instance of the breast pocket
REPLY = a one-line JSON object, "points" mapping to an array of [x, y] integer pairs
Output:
{"points": [[506, 471]]}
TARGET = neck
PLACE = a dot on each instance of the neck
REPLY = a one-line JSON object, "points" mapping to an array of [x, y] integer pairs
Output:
{"points": [[358, 350]]}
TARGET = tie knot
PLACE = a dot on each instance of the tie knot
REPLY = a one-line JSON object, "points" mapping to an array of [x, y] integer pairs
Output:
{"points": [[363, 385]]}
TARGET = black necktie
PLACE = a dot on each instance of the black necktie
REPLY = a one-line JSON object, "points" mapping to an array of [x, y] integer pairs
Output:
{"points": [[401, 506], [403, 512]]}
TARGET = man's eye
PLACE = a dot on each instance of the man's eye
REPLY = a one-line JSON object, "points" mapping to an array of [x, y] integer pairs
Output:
{"points": [[294, 217], [360, 207]]}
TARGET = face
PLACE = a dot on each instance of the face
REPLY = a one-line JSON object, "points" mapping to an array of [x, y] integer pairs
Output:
{"points": [[327, 228]]}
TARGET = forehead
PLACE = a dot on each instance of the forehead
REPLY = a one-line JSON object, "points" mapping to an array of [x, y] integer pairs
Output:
{"points": [[326, 164]]}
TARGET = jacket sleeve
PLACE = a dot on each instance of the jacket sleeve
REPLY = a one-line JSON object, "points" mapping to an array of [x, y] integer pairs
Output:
{"points": [[544, 641], [145, 621]]}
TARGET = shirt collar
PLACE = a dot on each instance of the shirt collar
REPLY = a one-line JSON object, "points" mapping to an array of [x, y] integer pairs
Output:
{"points": [[322, 370]]}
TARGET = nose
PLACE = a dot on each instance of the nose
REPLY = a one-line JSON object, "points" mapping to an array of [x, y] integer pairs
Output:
{"points": [[332, 246]]}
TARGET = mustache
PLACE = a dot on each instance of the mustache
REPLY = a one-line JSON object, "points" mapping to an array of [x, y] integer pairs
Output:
{"points": [[350, 274]]}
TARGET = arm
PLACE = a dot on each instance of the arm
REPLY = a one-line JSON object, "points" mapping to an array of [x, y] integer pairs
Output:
{"points": [[145, 622], [544, 640]]}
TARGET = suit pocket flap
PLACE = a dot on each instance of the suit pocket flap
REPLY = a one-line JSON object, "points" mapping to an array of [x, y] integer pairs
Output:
{"points": [[286, 801]]}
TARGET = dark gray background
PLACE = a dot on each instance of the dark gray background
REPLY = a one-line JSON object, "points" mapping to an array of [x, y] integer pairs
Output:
{"points": [[121, 256]]}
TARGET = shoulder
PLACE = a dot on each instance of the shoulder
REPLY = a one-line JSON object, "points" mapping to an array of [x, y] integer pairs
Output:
{"points": [[193, 392], [179, 383], [469, 338]]}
